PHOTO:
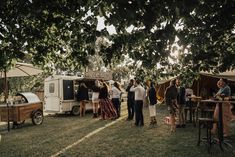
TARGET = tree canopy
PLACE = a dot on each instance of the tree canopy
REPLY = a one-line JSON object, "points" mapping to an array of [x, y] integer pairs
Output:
{"points": [[62, 33]]}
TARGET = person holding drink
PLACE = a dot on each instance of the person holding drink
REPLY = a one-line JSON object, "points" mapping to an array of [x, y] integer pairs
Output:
{"points": [[223, 93]]}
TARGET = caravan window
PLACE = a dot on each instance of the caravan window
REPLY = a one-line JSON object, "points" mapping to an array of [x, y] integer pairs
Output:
{"points": [[51, 87], [68, 89]]}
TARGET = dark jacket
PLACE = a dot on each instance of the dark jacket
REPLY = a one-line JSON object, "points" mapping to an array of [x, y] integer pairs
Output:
{"points": [[95, 89], [82, 94], [130, 94], [170, 94], [152, 96], [103, 93]]}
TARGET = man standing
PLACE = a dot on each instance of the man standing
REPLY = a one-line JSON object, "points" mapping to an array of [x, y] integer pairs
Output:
{"points": [[130, 100], [181, 103], [139, 97]]}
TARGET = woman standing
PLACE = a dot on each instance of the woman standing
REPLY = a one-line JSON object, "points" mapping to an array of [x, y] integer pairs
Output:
{"points": [[107, 109], [152, 104], [146, 98], [82, 96], [224, 92], [95, 98], [116, 96], [171, 101]]}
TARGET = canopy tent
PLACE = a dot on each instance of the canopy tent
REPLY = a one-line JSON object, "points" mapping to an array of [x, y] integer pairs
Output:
{"points": [[205, 86], [19, 70], [230, 75]]}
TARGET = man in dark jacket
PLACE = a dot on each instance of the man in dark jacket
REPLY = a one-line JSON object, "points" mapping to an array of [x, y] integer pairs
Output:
{"points": [[130, 100], [181, 104]]}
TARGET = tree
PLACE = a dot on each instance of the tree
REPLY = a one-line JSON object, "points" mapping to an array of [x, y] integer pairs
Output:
{"points": [[63, 32], [209, 34], [59, 32], [205, 28]]}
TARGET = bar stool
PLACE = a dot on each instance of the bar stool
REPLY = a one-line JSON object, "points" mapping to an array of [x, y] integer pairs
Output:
{"points": [[208, 124], [192, 109], [204, 112]]}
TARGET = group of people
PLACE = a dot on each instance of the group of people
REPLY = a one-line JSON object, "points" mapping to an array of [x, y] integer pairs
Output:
{"points": [[103, 97], [176, 100], [135, 101], [108, 99]]}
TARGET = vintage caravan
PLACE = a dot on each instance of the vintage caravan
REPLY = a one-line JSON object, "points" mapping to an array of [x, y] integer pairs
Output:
{"points": [[60, 91], [60, 95]]}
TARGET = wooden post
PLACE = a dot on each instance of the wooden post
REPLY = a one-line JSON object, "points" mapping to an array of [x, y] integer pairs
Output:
{"points": [[198, 81], [6, 86], [5, 99], [8, 117]]}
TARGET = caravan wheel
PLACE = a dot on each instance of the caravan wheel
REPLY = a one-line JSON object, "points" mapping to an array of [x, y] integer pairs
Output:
{"points": [[75, 110], [37, 117]]}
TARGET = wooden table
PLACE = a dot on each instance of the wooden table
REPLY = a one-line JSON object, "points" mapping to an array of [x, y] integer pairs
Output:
{"points": [[220, 118]]}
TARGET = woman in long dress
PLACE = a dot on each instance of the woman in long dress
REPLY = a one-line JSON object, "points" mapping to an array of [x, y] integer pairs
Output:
{"points": [[108, 111]]}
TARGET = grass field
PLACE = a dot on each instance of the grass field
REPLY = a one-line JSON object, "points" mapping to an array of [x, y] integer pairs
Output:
{"points": [[121, 139], [54, 134]]}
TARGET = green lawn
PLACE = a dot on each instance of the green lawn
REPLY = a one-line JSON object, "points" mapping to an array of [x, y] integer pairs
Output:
{"points": [[120, 139], [124, 139], [44, 140]]}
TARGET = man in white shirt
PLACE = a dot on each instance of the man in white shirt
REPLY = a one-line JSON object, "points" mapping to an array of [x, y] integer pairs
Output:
{"points": [[139, 97]]}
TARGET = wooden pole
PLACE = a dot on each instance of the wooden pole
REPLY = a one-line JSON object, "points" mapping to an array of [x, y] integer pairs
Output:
{"points": [[6, 86], [8, 117], [5, 99], [198, 86]]}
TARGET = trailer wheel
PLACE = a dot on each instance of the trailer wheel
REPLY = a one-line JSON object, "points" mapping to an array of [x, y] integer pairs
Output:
{"points": [[37, 117], [75, 110]]}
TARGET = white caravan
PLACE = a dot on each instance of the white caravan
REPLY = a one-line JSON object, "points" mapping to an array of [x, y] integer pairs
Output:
{"points": [[60, 95]]}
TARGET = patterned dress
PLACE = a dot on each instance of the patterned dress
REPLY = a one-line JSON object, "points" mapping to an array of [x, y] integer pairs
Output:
{"points": [[107, 109]]}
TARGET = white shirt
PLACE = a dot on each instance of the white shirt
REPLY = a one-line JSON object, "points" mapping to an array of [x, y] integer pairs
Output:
{"points": [[116, 93], [139, 92]]}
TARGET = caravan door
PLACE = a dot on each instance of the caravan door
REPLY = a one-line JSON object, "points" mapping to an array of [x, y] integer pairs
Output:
{"points": [[52, 95]]}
